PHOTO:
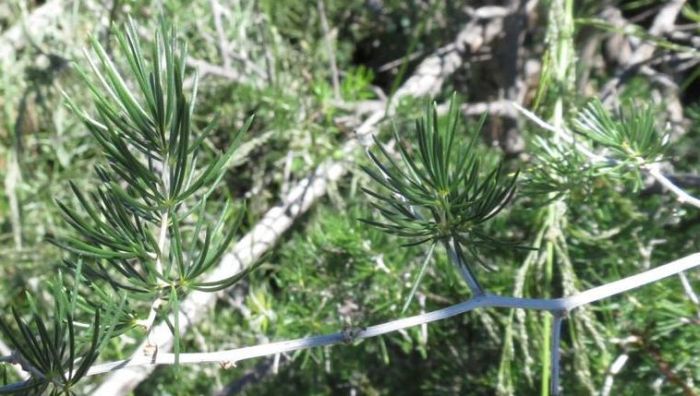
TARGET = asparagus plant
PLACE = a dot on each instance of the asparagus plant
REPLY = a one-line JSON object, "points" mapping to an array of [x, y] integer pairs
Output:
{"points": [[439, 194], [144, 232], [143, 238]]}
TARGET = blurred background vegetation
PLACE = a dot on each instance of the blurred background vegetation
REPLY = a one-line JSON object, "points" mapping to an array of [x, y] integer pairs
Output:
{"points": [[280, 60]]}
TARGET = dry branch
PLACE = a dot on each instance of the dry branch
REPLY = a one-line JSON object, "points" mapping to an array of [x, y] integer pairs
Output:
{"points": [[644, 52], [42, 17]]}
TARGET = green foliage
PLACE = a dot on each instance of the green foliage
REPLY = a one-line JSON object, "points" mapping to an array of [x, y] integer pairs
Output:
{"points": [[50, 355], [159, 180], [135, 232], [557, 171], [632, 134], [155, 153], [439, 193], [57, 356]]}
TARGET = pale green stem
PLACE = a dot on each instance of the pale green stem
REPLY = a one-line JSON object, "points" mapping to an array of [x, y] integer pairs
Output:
{"points": [[419, 278], [464, 270]]}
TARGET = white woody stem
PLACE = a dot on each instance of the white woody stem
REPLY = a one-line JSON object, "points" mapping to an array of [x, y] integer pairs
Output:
{"points": [[10, 358], [162, 246], [556, 338], [558, 306], [615, 368], [689, 291], [682, 196]]}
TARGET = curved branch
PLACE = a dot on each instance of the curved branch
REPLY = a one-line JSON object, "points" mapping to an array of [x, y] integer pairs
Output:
{"points": [[682, 196]]}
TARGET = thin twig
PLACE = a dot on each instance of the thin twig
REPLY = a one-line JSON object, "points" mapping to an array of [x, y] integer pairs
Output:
{"points": [[27, 369], [151, 319], [6, 356], [223, 41], [162, 239], [615, 368], [689, 291], [561, 133], [469, 278], [683, 197]]}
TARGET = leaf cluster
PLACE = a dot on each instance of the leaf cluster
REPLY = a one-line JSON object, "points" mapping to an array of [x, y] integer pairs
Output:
{"points": [[144, 232], [152, 152], [56, 353], [558, 169], [438, 192], [631, 133]]}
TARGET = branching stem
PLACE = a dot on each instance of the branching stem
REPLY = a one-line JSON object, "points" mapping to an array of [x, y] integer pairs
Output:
{"points": [[682, 196], [558, 306], [152, 314], [162, 246], [162, 240], [465, 272]]}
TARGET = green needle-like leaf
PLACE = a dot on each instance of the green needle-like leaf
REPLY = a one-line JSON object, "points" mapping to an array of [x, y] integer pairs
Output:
{"points": [[438, 191]]}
